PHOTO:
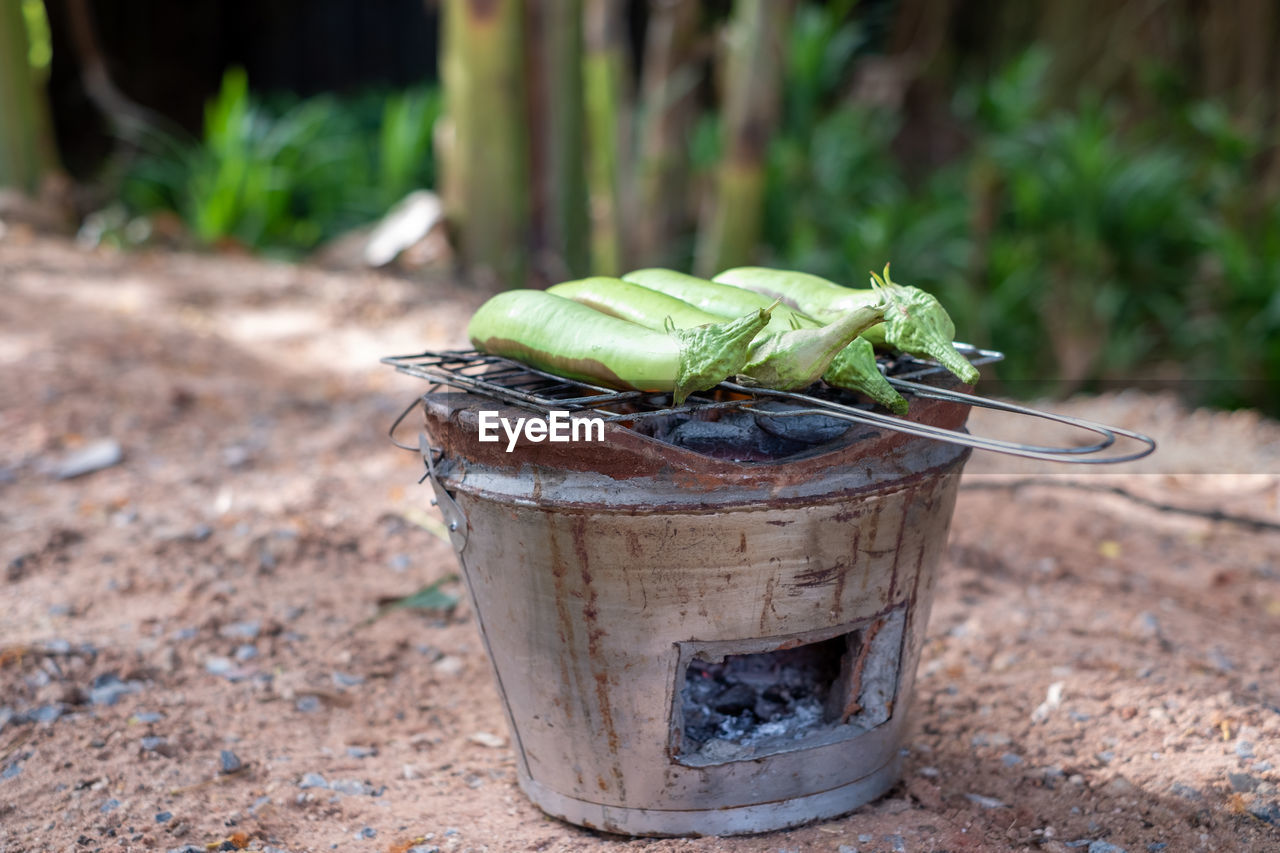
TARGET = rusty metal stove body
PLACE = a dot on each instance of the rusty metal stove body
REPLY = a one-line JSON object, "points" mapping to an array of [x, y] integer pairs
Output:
{"points": [[606, 575], [687, 645]]}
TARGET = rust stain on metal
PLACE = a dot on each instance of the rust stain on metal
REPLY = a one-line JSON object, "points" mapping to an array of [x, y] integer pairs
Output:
{"points": [[564, 624], [626, 454], [766, 606], [819, 576], [595, 659], [842, 578], [897, 542]]}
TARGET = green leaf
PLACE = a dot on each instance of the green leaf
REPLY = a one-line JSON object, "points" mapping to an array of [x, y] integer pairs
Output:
{"points": [[431, 598]]}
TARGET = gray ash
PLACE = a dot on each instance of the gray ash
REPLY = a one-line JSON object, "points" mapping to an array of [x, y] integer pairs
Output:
{"points": [[746, 700]]}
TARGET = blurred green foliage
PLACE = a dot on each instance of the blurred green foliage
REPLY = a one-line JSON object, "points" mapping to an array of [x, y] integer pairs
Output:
{"points": [[39, 41], [1088, 244], [1093, 241], [283, 177]]}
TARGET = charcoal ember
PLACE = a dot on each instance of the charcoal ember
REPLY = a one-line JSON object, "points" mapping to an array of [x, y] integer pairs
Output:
{"points": [[803, 429], [734, 700], [731, 435]]}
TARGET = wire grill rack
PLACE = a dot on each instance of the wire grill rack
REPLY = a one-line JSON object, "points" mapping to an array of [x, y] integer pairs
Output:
{"points": [[513, 383]]}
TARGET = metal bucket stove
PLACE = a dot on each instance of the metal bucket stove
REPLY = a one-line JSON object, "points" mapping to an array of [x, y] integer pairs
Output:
{"points": [[693, 645]]}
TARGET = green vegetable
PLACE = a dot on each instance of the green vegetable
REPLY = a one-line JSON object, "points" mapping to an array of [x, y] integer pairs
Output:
{"points": [[563, 337], [640, 305], [794, 349], [914, 321]]}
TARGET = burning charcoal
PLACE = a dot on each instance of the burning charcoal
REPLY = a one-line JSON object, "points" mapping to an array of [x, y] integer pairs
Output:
{"points": [[731, 434], [805, 429], [735, 700]]}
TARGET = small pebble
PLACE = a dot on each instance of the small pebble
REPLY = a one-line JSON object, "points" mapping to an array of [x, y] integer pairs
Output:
{"points": [[86, 460], [845, 848], [351, 787], [448, 665], [148, 717], [368, 832], [12, 770], [487, 739], [985, 802], [362, 751], [866, 838], [313, 780], [107, 689], [1187, 792], [1219, 660], [345, 679], [1244, 749], [110, 806], [1011, 759], [224, 667], [1104, 847], [229, 762], [1052, 700], [1156, 846], [1266, 812], [246, 652], [308, 704], [1148, 624], [164, 817], [929, 772], [46, 713], [150, 744], [1106, 756], [247, 630]]}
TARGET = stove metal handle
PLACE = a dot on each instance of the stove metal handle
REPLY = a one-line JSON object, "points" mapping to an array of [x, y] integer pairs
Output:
{"points": [[395, 425], [454, 518]]}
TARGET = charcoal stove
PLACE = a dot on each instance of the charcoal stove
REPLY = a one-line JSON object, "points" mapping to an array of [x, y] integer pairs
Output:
{"points": [[690, 637]]}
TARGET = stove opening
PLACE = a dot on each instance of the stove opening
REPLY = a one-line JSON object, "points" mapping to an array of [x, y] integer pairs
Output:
{"points": [[738, 701]]}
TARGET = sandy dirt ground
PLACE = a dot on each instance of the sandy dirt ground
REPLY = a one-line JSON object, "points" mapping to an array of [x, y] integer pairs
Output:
{"points": [[194, 655]]}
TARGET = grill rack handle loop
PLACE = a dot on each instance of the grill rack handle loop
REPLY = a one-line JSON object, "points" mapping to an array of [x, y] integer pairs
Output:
{"points": [[1079, 455]]}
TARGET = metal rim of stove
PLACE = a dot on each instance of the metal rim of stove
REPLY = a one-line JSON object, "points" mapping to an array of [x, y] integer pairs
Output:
{"points": [[514, 383]]}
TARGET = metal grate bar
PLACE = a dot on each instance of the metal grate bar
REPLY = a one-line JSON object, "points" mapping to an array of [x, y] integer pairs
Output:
{"points": [[520, 385]]}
